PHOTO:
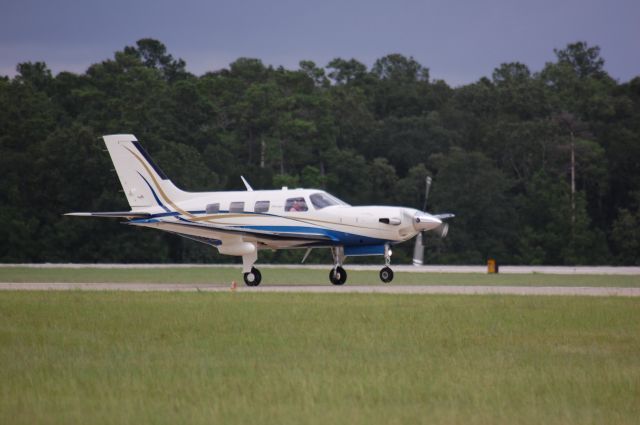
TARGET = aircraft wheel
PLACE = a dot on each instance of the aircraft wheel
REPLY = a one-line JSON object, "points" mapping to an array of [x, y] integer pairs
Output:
{"points": [[386, 275], [338, 276], [253, 278]]}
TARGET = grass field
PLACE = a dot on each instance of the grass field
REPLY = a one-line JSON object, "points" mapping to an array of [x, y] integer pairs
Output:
{"points": [[238, 358], [306, 276]]}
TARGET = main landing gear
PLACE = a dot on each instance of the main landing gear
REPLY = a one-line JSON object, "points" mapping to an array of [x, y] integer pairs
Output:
{"points": [[253, 278], [338, 276]]}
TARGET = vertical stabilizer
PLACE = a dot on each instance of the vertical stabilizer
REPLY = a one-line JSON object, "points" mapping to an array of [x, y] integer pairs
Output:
{"points": [[143, 182]]}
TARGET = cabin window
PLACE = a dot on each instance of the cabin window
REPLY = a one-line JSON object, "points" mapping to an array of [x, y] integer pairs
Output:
{"points": [[321, 200], [295, 204], [261, 206], [213, 208], [236, 207]]}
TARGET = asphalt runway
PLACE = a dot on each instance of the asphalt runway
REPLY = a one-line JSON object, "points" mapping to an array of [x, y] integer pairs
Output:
{"points": [[346, 289], [504, 269]]}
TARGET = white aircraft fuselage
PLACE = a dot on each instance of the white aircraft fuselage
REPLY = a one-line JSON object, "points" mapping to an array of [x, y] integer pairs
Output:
{"points": [[243, 222]]}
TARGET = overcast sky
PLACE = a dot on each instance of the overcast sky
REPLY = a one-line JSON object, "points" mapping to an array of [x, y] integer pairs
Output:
{"points": [[459, 41]]}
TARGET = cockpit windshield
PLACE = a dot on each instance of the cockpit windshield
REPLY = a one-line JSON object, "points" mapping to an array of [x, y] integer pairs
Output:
{"points": [[321, 200]]}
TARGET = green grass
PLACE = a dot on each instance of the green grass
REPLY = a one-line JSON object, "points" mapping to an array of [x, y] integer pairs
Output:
{"points": [[306, 276], [238, 358]]}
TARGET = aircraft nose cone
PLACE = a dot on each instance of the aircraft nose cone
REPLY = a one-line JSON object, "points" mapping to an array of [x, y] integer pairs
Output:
{"points": [[424, 221]]}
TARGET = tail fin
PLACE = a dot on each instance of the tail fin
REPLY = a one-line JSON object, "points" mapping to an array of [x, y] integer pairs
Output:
{"points": [[144, 184]]}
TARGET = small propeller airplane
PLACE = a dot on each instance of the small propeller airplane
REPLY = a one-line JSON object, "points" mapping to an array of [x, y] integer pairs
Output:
{"points": [[241, 223]]}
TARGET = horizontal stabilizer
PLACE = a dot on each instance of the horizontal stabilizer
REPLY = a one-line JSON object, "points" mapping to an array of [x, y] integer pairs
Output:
{"points": [[111, 214]]}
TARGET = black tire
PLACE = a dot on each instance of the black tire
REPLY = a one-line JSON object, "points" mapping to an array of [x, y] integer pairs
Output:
{"points": [[386, 275], [253, 278], [338, 276]]}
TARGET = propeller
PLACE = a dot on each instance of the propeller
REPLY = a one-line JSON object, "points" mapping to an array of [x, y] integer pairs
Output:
{"points": [[418, 249], [427, 187], [441, 230]]}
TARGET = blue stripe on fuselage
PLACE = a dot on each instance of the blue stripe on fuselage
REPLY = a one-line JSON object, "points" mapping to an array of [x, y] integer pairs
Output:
{"points": [[341, 238]]}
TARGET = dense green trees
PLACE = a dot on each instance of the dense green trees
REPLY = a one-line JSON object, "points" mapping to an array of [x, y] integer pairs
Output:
{"points": [[539, 167]]}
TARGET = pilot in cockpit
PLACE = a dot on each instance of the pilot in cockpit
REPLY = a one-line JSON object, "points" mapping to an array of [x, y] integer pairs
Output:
{"points": [[297, 205]]}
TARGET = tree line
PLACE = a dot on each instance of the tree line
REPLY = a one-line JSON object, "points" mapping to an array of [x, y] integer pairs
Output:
{"points": [[539, 167]]}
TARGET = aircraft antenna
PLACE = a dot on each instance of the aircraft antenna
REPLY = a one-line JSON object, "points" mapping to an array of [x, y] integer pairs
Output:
{"points": [[246, 184]]}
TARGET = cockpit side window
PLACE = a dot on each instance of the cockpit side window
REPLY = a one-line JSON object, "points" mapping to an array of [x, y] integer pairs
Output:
{"points": [[296, 205], [321, 200]]}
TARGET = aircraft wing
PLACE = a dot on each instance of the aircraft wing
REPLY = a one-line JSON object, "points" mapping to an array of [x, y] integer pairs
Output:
{"points": [[112, 214], [215, 232]]}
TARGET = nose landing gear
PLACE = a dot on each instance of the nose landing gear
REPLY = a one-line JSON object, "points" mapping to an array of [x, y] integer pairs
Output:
{"points": [[386, 274]]}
